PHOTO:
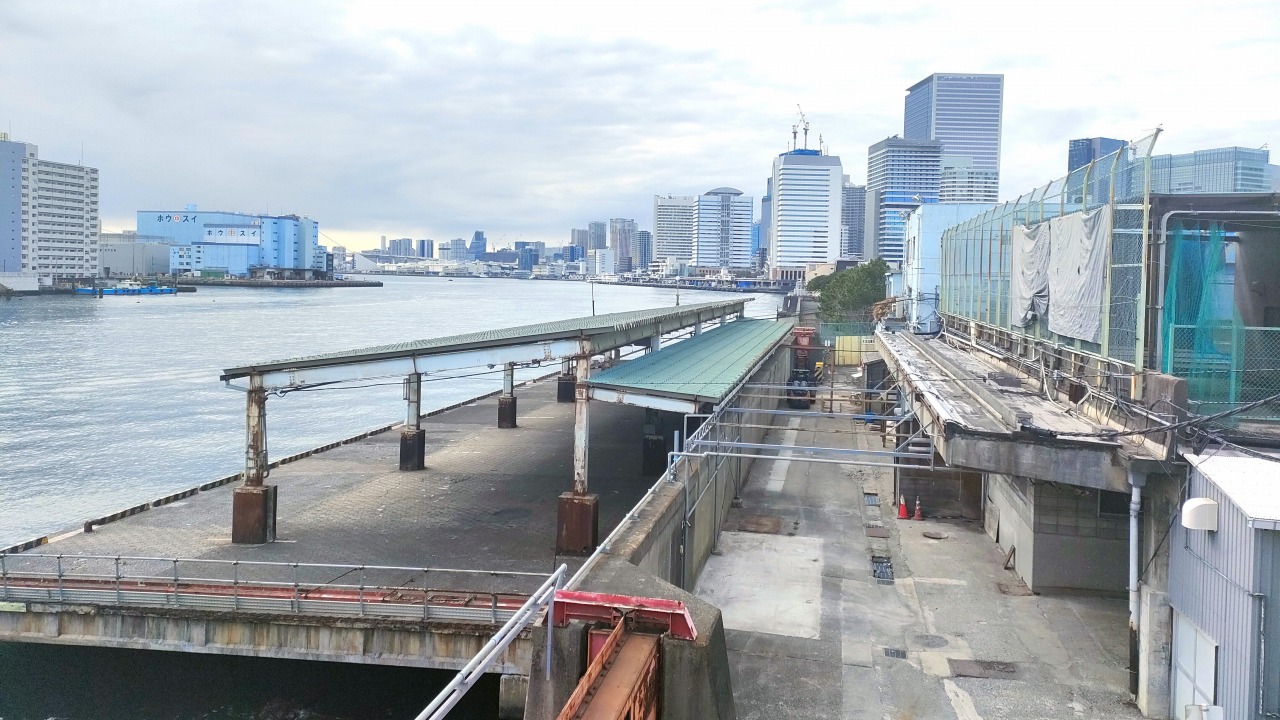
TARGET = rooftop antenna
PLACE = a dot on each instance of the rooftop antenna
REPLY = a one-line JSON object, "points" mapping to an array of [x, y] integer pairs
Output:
{"points": [[821, 147], [794, 130], [803, 124]]}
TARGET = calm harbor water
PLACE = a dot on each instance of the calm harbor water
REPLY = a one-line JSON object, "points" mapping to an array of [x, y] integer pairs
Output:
{"points": [[107, 403]]}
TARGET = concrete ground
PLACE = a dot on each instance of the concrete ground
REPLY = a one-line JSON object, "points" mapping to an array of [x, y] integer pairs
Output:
{"points": [[812, 634], [486, 500]]}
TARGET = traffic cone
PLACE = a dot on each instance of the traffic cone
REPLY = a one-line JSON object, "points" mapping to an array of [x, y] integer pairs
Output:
{"points": [[902, 507], [919, 515]]}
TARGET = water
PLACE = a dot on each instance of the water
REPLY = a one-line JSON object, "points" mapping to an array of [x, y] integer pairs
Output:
{"points": [[108, 403]]}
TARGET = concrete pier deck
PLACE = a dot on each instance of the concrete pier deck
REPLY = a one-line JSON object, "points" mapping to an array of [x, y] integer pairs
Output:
{"points": [[486, 500], [811, 633]]}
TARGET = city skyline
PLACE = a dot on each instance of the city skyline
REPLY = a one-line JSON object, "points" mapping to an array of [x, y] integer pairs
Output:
{"points": [[317, 109]]}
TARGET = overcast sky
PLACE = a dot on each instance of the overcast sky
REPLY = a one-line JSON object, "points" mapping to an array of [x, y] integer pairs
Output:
{"points": [[524, 119]]}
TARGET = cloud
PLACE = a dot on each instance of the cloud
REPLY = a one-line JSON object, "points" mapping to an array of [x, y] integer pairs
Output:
{"points": [[523, 119]]}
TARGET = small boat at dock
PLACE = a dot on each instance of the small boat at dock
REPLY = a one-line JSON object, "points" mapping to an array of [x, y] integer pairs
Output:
{"points": [[127, 287]]}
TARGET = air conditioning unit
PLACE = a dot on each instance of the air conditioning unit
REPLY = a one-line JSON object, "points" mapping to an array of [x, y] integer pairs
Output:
{"points": [[1200, 514]]}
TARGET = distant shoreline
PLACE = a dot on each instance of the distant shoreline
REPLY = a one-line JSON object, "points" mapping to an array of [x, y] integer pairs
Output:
{"points": [[264, 283], [683, 286]]}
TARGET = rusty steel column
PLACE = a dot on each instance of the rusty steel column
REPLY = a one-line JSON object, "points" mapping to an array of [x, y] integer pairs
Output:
{"points": [[578, 512], [507, 401], [413, 439], [253, 505]]}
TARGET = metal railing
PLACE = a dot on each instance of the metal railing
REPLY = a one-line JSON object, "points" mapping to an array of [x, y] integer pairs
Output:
{"points": [[314, 589], [543, 597]]}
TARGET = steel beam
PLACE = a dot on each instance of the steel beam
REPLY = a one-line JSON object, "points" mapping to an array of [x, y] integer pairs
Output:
{"points": [[639, 399], [400, 367]]}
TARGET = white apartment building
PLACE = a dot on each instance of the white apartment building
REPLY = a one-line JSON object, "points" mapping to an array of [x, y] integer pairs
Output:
{"points": [[48, 215], [673, 227], [722, 229], [808, 189]]}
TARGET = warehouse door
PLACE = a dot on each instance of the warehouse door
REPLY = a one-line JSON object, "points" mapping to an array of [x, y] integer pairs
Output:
{"points": [[1195, 666]]}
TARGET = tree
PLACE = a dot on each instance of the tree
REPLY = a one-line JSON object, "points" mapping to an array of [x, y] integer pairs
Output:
{"points": [[816, 284], [851, 293]]}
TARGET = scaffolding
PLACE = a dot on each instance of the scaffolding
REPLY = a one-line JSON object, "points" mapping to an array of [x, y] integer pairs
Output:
{"points": [[977, 254]]}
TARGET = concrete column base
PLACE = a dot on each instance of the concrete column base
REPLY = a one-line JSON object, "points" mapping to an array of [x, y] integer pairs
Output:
{"points": [[565, 386], [653, 456], [511, 693], [506, 411], [253, 514], [413, 449], [577, 524], [1155, 653]]}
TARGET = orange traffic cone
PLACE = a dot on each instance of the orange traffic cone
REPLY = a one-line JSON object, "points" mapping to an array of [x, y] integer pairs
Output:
{"points": [[902, 507], [919, 515]]}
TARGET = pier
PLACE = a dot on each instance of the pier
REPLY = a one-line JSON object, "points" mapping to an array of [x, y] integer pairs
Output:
{"points": [[412, 545]]}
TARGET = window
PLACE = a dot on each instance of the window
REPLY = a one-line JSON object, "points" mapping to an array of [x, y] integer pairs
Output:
{"points": [[1112, 503]]}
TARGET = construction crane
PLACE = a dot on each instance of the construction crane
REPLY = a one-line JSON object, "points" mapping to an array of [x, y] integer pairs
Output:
{"points": [[804, 124]]}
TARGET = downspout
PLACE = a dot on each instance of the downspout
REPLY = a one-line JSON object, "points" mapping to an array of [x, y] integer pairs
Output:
{"points": [[1136, 481]]}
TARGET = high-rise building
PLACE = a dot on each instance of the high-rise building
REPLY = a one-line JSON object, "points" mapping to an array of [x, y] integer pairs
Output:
{"points": [[597, 235], [901, 176], [963, 112], [1083, 151], [579, 238], [853, 214], [766, 223], [454, 250], [48, 216], [722, 229], [621, 234], [756, 245], [402, 247], [1220, 170], [479, 245], [673, 227], [426, 248], [642, 248], [806, 200]]}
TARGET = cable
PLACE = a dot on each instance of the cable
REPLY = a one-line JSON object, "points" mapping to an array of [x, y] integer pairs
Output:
{"points": [[1191, 422]]}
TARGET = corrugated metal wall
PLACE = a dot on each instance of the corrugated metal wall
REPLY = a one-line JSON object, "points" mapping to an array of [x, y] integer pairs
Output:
{"points": [[1269, 583], [1219, 602]]}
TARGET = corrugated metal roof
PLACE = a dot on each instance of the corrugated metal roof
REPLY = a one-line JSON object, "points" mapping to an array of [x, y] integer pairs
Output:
{"points": [[558, 329], [703, 368], [1248, 481]]}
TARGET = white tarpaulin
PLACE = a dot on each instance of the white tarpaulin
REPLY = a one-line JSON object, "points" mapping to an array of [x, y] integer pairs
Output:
{"points": [[1029, 266], [1077, 273]]}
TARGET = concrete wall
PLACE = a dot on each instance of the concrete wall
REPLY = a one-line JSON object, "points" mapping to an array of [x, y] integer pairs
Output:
{"points": [[1007, 500], [445, 646], [1078, 548]]}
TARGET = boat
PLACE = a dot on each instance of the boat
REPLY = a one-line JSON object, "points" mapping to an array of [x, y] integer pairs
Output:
{"points": [[128, 287]]}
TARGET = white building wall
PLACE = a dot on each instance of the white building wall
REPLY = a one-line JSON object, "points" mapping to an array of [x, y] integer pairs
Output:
{"points": [[722, 231], [807, 195], [57, 215], [673, 220]]}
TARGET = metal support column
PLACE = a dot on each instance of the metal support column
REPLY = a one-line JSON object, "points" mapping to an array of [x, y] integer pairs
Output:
{"points": [[1136, 481], [565, 383], [253, 505], [578, 512], [507, 401], [413, 439]]}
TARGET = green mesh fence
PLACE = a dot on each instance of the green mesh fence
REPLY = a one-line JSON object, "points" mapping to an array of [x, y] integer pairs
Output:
{"points": [[1225, 361]]}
